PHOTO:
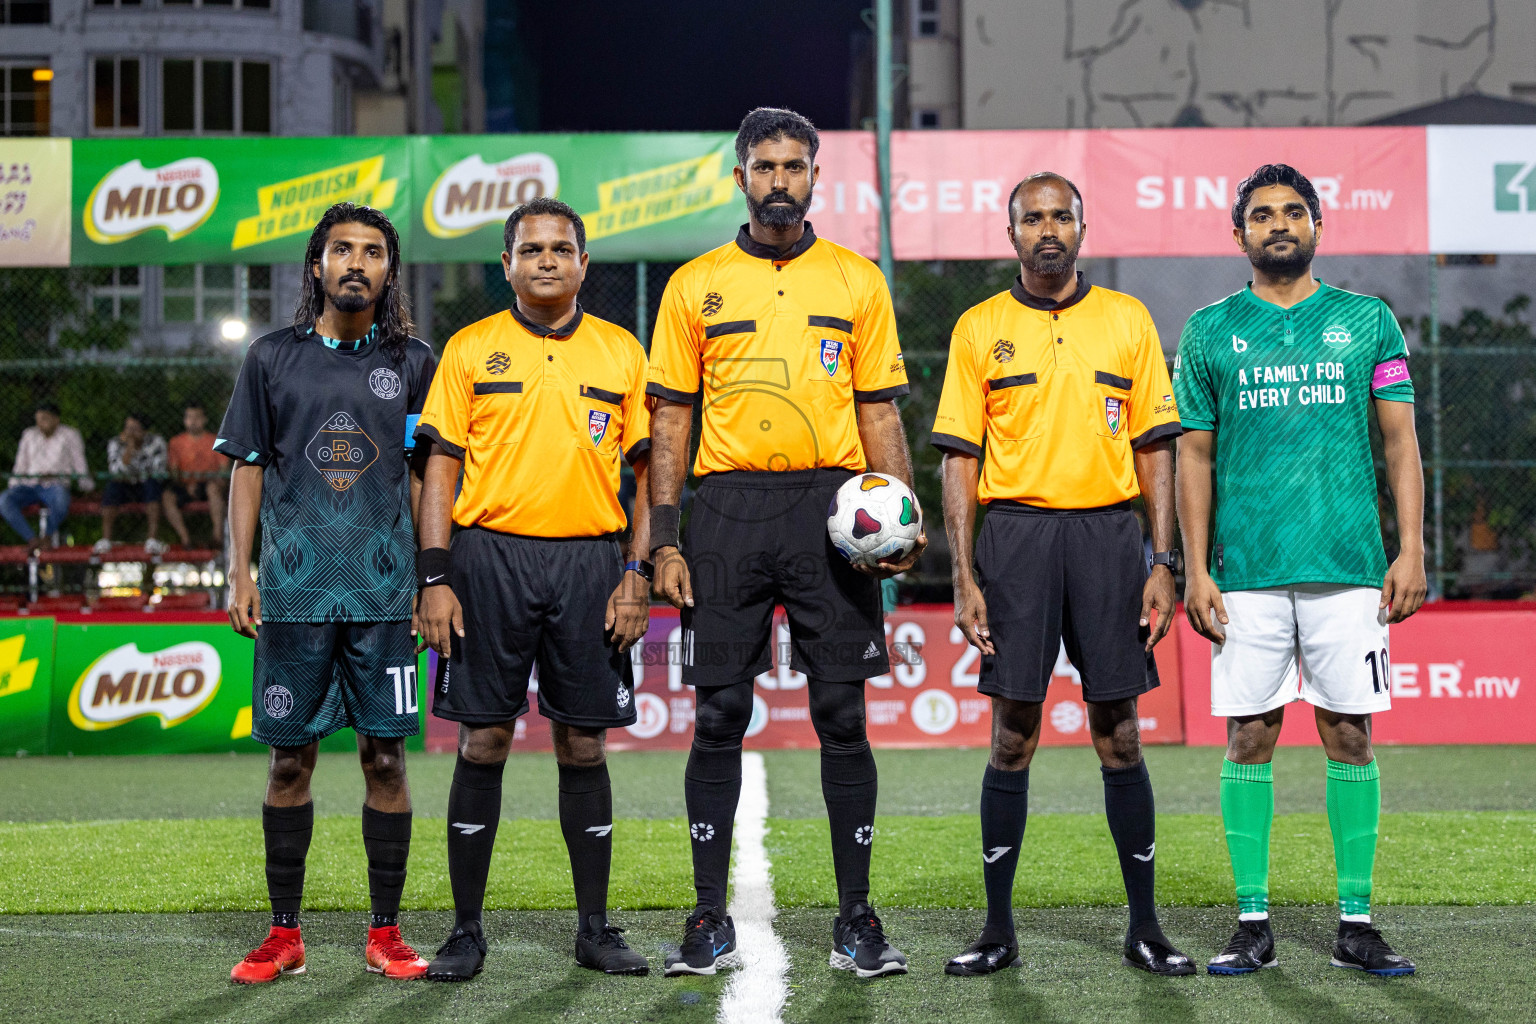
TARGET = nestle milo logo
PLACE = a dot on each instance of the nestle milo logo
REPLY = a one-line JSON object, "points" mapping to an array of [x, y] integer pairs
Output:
{"points": [[132, 199], [473, 193], [126, 683], [1514, 187]]}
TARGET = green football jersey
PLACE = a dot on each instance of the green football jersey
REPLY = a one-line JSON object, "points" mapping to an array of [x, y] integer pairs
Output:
{"points": [[1286, 392]]}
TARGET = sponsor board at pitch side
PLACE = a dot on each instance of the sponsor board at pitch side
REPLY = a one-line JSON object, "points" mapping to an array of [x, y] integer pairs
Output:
{"points": [[26, 675], [1482, 188], [928, 699]]}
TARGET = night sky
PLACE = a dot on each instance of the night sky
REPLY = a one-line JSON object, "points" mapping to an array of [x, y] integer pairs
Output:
{"points": [[687, 65]]}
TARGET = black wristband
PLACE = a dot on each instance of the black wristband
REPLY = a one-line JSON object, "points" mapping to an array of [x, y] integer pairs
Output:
{"points": [[666, 522], [432, 567]]}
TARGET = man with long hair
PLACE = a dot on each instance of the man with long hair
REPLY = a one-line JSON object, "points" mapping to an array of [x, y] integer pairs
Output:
{"points": [[319, 428]]}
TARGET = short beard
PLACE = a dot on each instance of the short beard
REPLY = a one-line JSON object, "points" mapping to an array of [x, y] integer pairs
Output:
{"points": [[1051, 266], [1293, 265], [345, 301], [775, 217]]}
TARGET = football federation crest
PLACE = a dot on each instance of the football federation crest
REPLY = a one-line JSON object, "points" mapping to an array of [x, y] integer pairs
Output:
{"points": [[496, 364], [831, 352], [384, 382], [341, 451], [597, 425], [1112, 415], [712, 303], [1003, 350]]}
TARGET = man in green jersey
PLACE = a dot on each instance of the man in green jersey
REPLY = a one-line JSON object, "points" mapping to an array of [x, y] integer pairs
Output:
{"points": [[1278, 380]]}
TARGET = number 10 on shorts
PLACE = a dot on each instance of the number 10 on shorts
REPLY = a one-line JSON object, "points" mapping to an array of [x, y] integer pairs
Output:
{"points": [[405, 689]]}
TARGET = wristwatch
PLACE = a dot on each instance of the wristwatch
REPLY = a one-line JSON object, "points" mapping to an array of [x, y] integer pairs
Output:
{"points": [[1174, 560], [644, 568]]}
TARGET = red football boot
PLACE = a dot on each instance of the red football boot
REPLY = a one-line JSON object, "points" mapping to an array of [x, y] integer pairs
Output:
{"points": [[281, 953], [388, 954]]}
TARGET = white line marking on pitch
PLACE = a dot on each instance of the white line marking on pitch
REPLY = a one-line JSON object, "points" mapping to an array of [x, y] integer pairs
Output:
{"points": [[757, 989]]}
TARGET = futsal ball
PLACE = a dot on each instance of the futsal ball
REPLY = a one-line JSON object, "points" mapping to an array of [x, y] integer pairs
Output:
{"points": [[874, 517]]}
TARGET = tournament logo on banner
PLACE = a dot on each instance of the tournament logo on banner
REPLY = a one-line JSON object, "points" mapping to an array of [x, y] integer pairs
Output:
{"points": [[472, 193], [126, 683], [132, 199]]}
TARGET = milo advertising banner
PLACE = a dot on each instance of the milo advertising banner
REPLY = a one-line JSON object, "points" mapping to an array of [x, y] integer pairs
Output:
{"points": [[666, 196], [165, 689], [26, 671], [172, 201]]}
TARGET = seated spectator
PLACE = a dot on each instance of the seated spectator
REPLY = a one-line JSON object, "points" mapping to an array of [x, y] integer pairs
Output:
{"points": [[197, 474], [48, 448], [137, 461]]}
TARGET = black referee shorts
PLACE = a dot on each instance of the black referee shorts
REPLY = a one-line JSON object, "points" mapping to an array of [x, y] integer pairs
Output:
{"points": [[757, 539], [534, 601], [1054, 576]]}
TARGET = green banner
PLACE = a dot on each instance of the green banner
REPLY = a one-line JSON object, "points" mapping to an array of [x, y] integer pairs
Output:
{"points": [[663, 196], [174, 201], [162, 689], [26, 672]]}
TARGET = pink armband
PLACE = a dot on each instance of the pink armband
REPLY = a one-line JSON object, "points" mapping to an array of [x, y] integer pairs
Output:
{"points": [[1393, 371]]}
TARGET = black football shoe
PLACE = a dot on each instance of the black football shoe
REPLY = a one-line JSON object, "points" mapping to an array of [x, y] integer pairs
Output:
{"points": [[1250, 949], [461, 957], [601, 947], [1361, 948], [1151, 952], [709, 943], [985, 956], [859, 945]]}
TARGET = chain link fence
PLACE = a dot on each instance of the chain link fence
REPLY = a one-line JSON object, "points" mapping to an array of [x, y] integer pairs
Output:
{"points": [[104, 343]]}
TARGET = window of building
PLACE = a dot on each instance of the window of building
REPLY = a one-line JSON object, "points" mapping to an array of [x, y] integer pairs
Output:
{"points": [[925, 119], [24, 12], [216, 96], [117, 89], [925, 18], [244, 5], [115, 3], [115, 293], [24, 93], [206, 293]]}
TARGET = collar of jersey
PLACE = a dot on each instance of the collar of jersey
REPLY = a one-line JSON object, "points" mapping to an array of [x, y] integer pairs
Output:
{"points": [[752, 247], [565, 330], [1271, 307], [1033, 301], [347, 346]]}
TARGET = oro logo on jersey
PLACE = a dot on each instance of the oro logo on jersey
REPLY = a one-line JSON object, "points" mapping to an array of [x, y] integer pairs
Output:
{"points": [[341, 451], [1112, 408], [384, 382], [126, 683], [831, 353], [713, 303], [1336, 336]]}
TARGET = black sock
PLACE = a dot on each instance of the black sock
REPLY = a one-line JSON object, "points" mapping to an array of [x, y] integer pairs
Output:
{"points": [[287, 831], [1132, 821], [1004, 811], [474, 811], [849, 785], [387, 841], [712, 786], [586, 820]]}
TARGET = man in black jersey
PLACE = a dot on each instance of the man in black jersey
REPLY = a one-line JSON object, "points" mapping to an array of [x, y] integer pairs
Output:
{"points": [[320, 430]]}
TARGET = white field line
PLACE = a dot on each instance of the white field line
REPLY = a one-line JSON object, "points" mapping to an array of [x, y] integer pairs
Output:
{"points": [[757, 989]]}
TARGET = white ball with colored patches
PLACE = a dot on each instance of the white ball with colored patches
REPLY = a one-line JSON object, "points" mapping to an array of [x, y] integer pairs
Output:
{"points": [[873, 518]]}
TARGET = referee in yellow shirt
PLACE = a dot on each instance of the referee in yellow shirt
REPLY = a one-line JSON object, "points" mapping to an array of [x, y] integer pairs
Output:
{"points": [[789, 342], [1063, 387], [536, 406]]}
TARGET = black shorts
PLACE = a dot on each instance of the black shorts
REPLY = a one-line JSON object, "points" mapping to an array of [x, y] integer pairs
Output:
{"points": [[313, 678], [1072, 576], [534, 601], [757, 539], [123, 492]]}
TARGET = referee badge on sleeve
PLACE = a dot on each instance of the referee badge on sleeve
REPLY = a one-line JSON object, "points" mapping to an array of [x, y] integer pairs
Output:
{"points": [[1112, 415], [831, 352], [597, 425]]}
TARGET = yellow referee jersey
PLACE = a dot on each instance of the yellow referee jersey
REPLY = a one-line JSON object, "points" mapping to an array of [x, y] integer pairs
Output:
{"points": [[780, 346], [540, 417], [1060, 393]]}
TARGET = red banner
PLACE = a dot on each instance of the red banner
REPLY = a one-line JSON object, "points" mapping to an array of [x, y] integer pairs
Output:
{"points": [[1456, 678], [1152, 192], [928, 700]]}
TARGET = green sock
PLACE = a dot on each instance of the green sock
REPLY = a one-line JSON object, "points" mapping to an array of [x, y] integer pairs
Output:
{"points": [[1247, 808], [1354, 809]]}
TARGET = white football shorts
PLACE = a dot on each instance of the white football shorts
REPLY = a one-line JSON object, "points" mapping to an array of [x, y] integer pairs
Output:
{"points": [[1335, 635]]}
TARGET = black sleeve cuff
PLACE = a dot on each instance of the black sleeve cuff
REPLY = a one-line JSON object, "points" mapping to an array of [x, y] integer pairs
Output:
{"points": [[680, 397], [953, 443], [1161, 432], [883, 395], [240, 453], [426, 430], [639, 448]]}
